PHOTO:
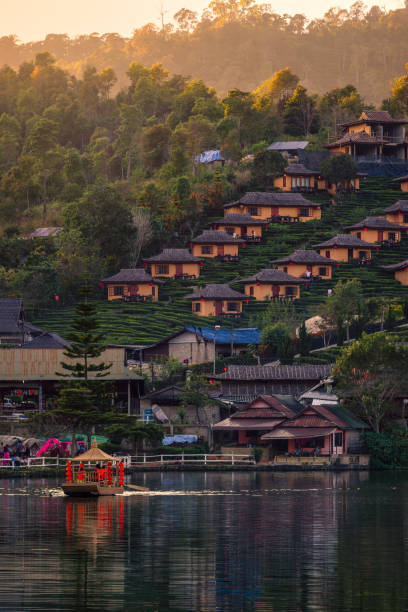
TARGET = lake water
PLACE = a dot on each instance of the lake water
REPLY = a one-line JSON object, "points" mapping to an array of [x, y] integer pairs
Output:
{"points": [[209, 541]]}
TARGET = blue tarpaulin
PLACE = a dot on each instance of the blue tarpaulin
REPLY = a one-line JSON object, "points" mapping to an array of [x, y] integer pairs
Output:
{"points": [[206, 157], [167, 440], [249, 335]]}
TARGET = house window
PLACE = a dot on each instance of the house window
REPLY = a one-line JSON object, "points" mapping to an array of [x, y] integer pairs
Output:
{"points": [[405, 219], [284, 180], [232, 306], [206, 250], [253, 211], [304, 212], [290, 291], [328, 254], [338, 439], [162, 269], [197, 307], [153, 291], [285, 269], [392, 236], [118, 290], [359, 235], [251, 291], [230, 230], [322, 271]]}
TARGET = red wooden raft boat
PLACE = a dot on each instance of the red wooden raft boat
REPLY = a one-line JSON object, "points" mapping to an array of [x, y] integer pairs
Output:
{"points": [[94, 473]]}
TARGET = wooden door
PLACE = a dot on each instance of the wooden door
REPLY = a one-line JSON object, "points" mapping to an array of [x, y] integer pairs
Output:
{"points": [[275, 290], [380, 236], [350, 253], [243, 230], [179, 268], [220, 249], [218, 308], [133, 289]]}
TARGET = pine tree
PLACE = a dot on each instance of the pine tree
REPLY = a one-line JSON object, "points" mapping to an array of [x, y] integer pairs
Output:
{"points": [[83, 402], [304, 340]]}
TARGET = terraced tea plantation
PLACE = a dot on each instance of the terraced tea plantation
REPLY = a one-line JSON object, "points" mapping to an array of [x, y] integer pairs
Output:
{"points": [[144, 323]]}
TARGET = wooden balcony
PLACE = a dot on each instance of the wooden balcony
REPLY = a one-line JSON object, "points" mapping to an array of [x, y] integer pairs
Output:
{"points": [[228, 258]]}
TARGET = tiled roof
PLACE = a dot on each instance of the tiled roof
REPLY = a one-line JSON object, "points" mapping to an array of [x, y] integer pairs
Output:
{"points": [[216, 236], [11, 315], [374, 223], [399, 206], [256, 423], [300, 169], [219, 292], [173, 256], [271, 275], [401, 179], [355, 137], [305, 257], [397, 266], [240, 219], [375, 117], [346, 240], [291, 433], [282, 372], [47, 340], [131, 275], [278, 405], [266, 198]]}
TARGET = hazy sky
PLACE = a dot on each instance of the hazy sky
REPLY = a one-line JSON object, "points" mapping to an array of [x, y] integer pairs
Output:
{"points": [[33, 19]]}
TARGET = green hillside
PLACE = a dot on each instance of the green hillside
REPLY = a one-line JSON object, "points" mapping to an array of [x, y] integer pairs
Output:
{"points": [[147, 322]]}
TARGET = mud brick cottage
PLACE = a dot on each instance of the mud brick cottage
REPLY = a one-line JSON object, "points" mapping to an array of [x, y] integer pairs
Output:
{"points": [[345, 247], [398, 213], [400, 271], [403, 181], [132, 285], [306, 264], [241, 225], [216, 243], [376, 229], [276, 206], [217, 300], [272, 284], [175, 263]]}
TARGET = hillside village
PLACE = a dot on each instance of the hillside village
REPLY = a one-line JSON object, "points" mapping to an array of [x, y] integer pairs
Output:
{"points": [[233, 290]]}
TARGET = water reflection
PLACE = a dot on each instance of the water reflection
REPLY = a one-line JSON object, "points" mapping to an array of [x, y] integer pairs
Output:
{"points": [[293, 542]]}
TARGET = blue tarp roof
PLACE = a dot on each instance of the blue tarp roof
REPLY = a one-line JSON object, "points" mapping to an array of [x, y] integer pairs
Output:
{"points": [[248, 335], [210, 156]]}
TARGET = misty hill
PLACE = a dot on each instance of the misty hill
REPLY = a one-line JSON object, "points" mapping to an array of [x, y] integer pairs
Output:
{"points": [[241, 44]]}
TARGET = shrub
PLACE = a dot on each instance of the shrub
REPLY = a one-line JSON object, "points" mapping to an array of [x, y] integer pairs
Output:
{"points": [[256, 453], [387, 449]]}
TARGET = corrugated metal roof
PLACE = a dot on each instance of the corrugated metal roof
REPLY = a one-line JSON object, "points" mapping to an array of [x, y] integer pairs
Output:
{"points": [[375, 223], [270, 373], [250, 335], [289, 145]]}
